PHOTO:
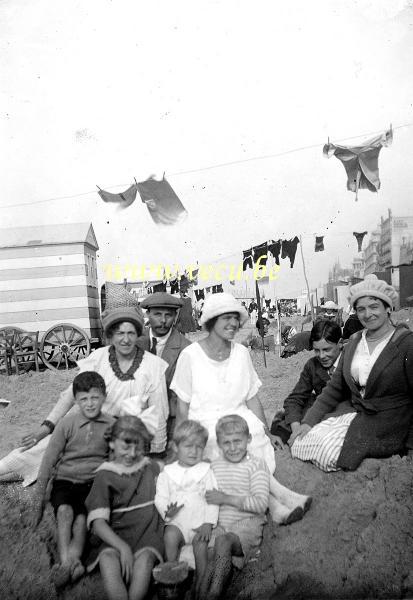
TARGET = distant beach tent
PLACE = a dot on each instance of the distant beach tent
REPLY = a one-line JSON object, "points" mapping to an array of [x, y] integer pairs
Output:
{"points": [[48, 275], [361, 162]]}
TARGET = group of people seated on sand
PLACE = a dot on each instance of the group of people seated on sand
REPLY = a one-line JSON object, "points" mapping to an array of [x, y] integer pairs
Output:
{"points": [[160, 449]]}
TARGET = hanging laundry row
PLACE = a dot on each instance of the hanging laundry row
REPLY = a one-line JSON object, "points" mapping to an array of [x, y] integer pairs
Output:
{"points": [[213, 289], [319, 241], [287, 249], [163, 204]]}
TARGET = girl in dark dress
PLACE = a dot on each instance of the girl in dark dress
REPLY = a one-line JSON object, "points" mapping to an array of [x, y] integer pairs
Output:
{"points": [[127, 528]]}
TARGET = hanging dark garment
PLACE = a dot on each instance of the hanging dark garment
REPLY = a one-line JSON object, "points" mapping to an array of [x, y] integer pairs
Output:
{"points": [[160, 287], [259, 251], [289, 248], [124, 199], [194, 277], [174, 283], [361, 162], [359, 237], [219, 289], [247, 259], [199, 295], [163, 204], [183, 284], [275, 249], [319, 243], [268, 302]]}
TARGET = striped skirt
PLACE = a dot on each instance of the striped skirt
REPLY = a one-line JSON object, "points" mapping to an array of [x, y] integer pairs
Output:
{"points": [[323, 443]]}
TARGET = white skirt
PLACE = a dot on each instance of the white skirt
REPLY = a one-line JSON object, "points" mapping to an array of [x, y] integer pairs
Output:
{"points": [[323, 443]]}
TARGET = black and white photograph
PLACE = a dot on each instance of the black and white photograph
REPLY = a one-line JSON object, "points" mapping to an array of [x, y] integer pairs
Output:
{"points": [[206, 300]]}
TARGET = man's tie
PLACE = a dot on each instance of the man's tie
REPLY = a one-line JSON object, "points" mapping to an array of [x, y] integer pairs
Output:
{"points": [[153, 347]]}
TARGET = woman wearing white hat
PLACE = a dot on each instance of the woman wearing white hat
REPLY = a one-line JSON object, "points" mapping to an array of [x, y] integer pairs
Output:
{"points": [[371, 390], [215, 377]]}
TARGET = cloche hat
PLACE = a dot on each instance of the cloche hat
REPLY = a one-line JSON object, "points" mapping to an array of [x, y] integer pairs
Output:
{"points": [[219, 304], [372, 286]]}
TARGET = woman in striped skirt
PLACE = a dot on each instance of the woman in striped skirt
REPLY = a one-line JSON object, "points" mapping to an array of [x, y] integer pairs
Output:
{"points": [[366, 410]]}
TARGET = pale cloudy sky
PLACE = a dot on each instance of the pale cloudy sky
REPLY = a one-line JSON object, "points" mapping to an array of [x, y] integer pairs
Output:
{"points": [[101, 91]]}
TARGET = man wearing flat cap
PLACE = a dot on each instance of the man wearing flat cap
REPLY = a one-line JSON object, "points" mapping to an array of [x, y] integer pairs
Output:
{"points": [[164, 340]]}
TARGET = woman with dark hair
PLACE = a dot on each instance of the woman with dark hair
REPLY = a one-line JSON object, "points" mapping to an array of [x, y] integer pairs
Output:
{"points": [[215, 377], [325, 340], [135, 384], [371, 391]]}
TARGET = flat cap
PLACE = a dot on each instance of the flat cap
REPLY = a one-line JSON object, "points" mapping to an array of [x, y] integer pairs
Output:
{"points": [[161, 300]]}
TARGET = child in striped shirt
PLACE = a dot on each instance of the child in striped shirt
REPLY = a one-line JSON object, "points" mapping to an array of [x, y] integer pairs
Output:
{"points": [[243, 494]]}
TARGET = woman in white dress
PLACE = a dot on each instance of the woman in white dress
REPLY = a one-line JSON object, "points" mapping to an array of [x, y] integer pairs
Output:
{"points": [[215, 377], [135, 384]]}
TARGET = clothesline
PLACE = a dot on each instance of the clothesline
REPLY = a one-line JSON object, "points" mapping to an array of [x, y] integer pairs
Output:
{"points": [[208, 168]]}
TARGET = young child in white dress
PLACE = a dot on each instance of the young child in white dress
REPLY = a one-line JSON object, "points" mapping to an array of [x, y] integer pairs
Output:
{"points": [[180, 496]]}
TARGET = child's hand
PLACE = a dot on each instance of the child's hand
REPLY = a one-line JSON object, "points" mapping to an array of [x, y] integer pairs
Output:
{"points": [[172, 510], [203, 533], [126, 562], [215, 497]]}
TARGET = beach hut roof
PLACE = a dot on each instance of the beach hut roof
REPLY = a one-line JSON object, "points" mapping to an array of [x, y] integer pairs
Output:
{"points": [[48, 235]]}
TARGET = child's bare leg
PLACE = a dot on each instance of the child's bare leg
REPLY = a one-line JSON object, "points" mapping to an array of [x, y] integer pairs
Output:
{"points": [[173, 540], [202, 587], [64, 518], [77, 545], [225, 546], [110, 570], [141, 575], [201, 563]]}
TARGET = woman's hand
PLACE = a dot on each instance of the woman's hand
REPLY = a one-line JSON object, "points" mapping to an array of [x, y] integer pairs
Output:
{"points": [[299, 433], [126, 562], [276, 442], [34, 438]]}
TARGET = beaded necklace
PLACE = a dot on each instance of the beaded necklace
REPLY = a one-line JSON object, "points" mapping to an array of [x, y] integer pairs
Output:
{"points": [[114, 363]]}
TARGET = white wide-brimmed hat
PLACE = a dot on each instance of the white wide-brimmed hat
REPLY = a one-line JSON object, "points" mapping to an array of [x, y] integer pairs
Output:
{"points": [[219, 304]]}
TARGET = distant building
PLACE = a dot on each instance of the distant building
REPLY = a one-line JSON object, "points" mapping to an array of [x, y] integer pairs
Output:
{"points": [[358, 267], [395, 232], [371, 254]]}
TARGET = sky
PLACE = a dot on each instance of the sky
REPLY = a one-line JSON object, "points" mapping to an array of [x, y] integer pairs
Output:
{"points": [[99, 92]]}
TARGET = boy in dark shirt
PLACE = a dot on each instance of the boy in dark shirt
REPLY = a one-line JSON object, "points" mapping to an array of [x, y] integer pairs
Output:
{"points": [[77, 447]]}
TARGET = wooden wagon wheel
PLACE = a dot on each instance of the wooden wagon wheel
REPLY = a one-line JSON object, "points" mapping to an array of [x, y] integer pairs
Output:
{"points": [[63, 345], [8, 331]]}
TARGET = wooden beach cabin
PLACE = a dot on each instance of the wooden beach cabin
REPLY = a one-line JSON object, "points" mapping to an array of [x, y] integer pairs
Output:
{"points": [[48, 277]]}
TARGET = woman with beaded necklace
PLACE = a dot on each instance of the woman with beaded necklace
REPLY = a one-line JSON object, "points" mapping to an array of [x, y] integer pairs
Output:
{"points": [[371, 391], [135, 384]]}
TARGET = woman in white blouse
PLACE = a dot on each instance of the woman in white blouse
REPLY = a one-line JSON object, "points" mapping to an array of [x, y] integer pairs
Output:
{"points": [[370, 393], [215, 377]]}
